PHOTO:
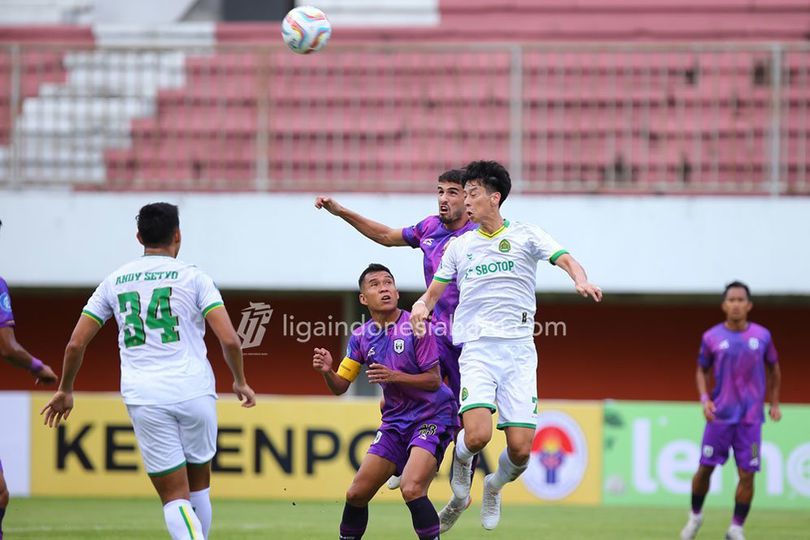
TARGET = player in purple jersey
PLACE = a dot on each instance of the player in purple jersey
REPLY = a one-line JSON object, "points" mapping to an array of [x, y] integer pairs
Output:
{"points": [[15, 354], [432, 235], [419, 415], [741, 357]]}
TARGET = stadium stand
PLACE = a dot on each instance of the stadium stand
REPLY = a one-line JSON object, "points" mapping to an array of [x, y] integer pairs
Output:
{"points": [[224, 108]]}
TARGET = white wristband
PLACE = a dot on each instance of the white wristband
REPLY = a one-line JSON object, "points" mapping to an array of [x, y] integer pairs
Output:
{"points": [[420, 302]]}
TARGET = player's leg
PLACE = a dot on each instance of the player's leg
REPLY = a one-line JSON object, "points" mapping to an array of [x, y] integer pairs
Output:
{"points": [[197, 419], [373, 473], [3, 499], [425, 452], [746, 443], [478, 390], [717, 439], [517, 417], [394, 480], [157, 433], [416, 478]]}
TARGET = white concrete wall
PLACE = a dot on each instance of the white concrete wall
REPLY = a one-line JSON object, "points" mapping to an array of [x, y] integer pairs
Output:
{"points": [[627, 244]]}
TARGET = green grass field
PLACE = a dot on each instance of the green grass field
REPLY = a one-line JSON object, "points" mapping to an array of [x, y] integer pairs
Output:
{"points": [[83, 519]]}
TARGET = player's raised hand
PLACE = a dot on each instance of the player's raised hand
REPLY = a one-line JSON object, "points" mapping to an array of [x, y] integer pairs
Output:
{"points": [[46, 375], [329, 204], [419, 316], [322, 360], [587, 289], [775, 412], [245, 394], [378, 373], [708, 410], [58, 408]]}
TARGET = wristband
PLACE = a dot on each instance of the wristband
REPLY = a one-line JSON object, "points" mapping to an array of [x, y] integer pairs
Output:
{"points": [[420, 302], [36, 365], [704, 398]]}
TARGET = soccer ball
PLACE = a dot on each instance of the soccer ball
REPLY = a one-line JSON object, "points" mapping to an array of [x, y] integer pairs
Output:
{"points": [[305, 29]]}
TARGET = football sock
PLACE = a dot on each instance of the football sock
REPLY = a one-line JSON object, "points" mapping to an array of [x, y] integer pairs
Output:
{"points": [[507, 471], [354, 522], [697, 503], [181, 520], [425, 519], [463, 453], [740, 513], [201, 502]]}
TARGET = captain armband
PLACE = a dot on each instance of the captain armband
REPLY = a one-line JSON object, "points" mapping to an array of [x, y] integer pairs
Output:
{"points": [[349, 369]]}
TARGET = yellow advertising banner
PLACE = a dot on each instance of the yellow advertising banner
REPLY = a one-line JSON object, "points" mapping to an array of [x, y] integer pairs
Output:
{"points": [[301, 449]]}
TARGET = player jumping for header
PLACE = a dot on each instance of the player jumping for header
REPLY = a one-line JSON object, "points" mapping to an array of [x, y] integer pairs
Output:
{"points": [[742, 357], [496, 269], [161, 305], [419, 413]]}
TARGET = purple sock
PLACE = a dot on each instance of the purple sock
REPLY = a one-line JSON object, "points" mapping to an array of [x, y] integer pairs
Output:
{"points": [[697, 503], [354, 522], [740, 513], [425, 519]]}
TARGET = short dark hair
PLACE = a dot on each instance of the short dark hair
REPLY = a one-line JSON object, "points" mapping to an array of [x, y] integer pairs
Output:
{"points": [[737, 285], [373, 267], [491, 174], [157, 223], [454, 176]]}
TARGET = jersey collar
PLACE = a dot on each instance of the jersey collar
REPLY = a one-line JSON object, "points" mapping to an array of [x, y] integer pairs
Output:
{"points": [[496, 233]]}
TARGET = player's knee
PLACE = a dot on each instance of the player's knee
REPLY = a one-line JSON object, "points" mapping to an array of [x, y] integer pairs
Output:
{"points": [[520, 454], [476, 439], [356, 496], [412, 490], [747, 479]]}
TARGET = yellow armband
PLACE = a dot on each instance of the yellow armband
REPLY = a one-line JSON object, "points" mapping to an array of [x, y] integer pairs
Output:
{"points": [[349, 369]]}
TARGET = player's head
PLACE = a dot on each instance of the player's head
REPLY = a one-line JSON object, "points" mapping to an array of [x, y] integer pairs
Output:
{"points": [[378, 290], [159, 227], [486, 186], [451, 197], [737, 301]]}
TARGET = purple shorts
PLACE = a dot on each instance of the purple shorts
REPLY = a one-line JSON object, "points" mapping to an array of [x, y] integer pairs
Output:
{"points": [[394, 445], [745, 439], [448, 359]]}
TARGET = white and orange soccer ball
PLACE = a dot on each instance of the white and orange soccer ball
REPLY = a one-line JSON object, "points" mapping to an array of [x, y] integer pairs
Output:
{"points": [[305, 29]]}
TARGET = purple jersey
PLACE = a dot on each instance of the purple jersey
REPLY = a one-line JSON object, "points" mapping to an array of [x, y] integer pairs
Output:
{"points": [[738, 362], [432, 237], [397, 349], [6, 316]]}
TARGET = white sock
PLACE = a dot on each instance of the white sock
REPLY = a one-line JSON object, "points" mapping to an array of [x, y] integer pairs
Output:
{"points": [[507, 471], [463, 454], [181, 520], [201, 501]]}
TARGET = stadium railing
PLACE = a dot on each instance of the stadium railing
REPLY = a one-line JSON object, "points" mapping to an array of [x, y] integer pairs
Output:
{"points": [[710, 118]]}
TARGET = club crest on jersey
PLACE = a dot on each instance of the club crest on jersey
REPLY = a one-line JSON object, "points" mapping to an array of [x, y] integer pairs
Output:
{"points": [[723, 345], [399, 345], [5, 302], [464, 393], [504, 246], [753, 343]]}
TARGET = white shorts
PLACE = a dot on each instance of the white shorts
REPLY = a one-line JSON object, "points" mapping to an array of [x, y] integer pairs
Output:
{"points": [[500, 374], [171, 436]]}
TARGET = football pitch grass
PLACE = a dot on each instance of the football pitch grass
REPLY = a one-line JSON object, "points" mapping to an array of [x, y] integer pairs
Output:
{"points": [[83, 519]]}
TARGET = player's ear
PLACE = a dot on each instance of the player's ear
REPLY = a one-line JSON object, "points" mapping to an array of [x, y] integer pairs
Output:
{"points": [[138, 236], [362, 298]]}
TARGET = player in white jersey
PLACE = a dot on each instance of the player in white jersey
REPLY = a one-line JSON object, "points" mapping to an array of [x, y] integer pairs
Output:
{"points": [[161, 305], [495, 267]]}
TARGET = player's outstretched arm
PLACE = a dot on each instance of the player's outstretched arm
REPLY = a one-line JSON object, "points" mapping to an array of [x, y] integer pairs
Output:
{"points": [[430, 380], [14, 353], [577, 273], [382, 234], [60, 405], [421, 308], [774, 374], [220, 323], [322, 363]]}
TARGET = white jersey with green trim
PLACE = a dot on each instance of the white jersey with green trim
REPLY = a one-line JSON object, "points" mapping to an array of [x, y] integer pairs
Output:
{"points": [[160, 305], [496, 276]]}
